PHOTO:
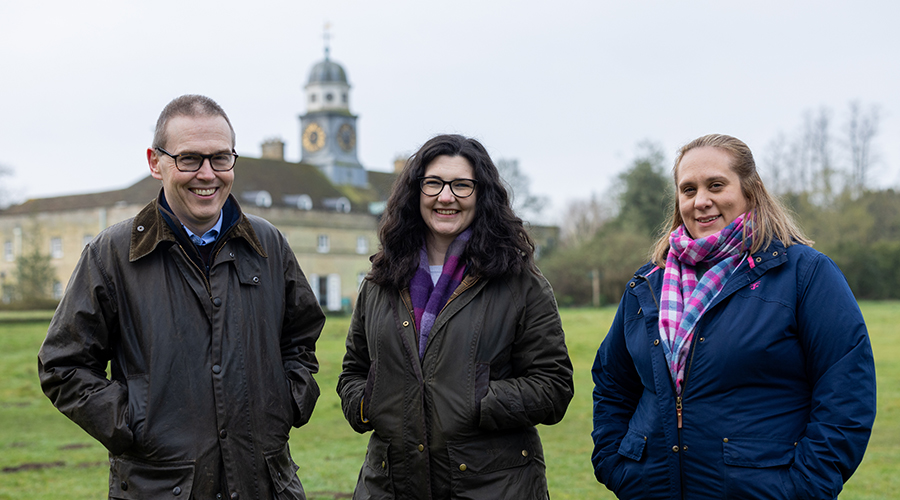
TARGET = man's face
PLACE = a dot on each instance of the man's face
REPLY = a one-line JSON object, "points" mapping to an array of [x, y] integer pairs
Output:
{"points": [[196, 198]]}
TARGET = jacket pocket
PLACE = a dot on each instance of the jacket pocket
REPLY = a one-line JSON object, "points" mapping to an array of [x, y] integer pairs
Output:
{"points": [[500, 465], [367, 402], [627, 479], [283, 472], [138, 392], [137, 480], [375, 475], [758, 468]]}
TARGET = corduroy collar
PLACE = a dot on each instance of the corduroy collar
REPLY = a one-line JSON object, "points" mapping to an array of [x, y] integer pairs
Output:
{"points": [[149, 229]]}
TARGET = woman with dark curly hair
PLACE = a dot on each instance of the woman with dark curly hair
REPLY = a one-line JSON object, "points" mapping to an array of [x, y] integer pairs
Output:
{"points": [[455, 350]]}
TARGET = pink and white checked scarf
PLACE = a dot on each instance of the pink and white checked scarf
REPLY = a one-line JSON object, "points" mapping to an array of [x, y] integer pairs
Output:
{"points": [[684, 298]]}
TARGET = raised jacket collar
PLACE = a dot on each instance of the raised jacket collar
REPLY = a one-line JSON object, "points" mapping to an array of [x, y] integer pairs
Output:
{"points": [[149, 229]]}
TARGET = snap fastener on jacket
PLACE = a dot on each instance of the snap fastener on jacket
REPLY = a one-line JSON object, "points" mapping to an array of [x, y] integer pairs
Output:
{"points": [[176, 491], [775, 254], [231, 254], [685, 448], [235, 496], [216, 368], [421, 447], [462, 467], [725, 440], [675, 448], [256, 279], [759, 259], [124, 486], [218, 496], [406, 323], [631, 284], [217, 301], [524, 453], [140, 229], [656, 342], [223, 433], [702, 339]]}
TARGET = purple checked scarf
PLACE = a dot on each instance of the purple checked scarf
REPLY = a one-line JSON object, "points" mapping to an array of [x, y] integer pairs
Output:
{"points": [[428, 298], [684, 298]]}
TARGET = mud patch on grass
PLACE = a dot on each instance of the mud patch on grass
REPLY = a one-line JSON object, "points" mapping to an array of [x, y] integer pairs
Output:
{"points": [[33, 466]]}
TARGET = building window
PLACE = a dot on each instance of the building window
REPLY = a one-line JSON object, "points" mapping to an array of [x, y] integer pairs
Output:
{"points": [[327, 290], [312, 97], [329, 97], [8, 251], [362, 245], [56, 248], [57, 290], [86, 239], [323, 245]]}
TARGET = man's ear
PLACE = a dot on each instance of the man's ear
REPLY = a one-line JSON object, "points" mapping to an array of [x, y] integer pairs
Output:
{"points": [[153, 162]]}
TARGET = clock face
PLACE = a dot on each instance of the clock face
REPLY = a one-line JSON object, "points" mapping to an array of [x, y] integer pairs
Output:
{"points": [[313, 137], [346, 137]]}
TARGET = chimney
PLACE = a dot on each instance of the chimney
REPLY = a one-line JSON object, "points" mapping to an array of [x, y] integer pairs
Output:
{"points": [[273, 149], [400, 162]]}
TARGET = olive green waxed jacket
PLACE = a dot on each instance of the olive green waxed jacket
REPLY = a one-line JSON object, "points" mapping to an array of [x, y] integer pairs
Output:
{"points": [[459, 423], [207, 373]]}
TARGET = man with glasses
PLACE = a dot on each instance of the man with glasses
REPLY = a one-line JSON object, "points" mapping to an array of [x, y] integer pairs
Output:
{"points": [[208, 326]]}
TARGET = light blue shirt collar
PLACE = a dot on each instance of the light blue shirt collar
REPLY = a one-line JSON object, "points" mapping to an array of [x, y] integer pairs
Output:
{"points": [[209, 236]]}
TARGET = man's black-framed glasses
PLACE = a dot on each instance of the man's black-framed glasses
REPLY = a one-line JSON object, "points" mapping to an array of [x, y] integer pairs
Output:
{"points": [[191, 162], [461, 188]]}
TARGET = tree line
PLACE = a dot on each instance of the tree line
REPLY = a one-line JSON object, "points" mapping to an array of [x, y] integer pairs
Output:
{"points": [[825, 173]]}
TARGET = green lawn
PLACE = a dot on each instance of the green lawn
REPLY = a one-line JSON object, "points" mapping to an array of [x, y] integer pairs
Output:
{"points": [[43, 455]]}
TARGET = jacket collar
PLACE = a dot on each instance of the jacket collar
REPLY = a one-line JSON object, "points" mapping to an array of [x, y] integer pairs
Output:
{"points": [[149, 229]]}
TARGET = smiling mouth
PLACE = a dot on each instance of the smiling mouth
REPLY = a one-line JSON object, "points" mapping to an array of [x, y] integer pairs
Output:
{"points": [[704, 220], [203, 192], [446, 212]]}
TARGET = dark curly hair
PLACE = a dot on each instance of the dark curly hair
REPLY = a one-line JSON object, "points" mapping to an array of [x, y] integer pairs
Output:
{"points": [[499, 243]]}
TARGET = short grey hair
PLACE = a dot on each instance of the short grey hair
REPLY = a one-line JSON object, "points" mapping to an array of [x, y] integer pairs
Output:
{"points": [[187, 105]]}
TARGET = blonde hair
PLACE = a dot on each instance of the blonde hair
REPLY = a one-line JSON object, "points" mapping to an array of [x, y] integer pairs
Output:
{"points": [[770, 219]]}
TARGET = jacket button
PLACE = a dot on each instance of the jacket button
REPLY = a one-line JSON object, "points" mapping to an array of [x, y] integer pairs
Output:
{"points": [[524, 453], [656, 342], [235, 496], [256, 279], [124, 486], [462, 467], [217, 301], [216, 369], [223, 434], [218, 496], [176, 491], [421, 447], [645, 438], [702, 339], [406, 323], [725, 440], [675, 449]]}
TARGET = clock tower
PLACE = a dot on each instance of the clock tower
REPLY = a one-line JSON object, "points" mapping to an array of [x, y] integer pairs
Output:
{"points": [[328, 129]]}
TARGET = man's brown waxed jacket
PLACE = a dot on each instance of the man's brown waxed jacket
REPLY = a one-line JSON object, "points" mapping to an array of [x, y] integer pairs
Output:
{"points": [[208, 374]]}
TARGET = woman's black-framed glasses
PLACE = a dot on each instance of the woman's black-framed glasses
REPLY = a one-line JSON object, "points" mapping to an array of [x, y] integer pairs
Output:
{"points": [[461, 188], [191, 162]]}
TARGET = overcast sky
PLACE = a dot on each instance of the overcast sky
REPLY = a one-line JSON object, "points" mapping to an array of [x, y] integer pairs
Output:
{"points": [[566, 87]]}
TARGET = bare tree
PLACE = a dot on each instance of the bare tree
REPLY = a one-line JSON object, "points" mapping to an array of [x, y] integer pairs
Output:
{"points": [[861, 129], [526, 204], [583, 218], [776, 163]]}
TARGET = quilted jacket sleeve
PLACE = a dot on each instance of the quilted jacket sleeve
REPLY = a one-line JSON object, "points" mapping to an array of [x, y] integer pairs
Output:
{"points": [[73, 358], [841, 370]]}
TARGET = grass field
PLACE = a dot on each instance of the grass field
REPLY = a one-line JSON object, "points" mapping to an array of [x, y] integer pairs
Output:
{"points": [[45, 456]]}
